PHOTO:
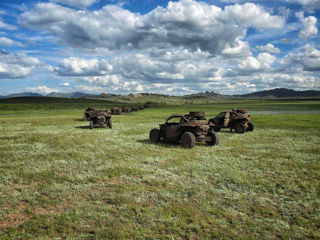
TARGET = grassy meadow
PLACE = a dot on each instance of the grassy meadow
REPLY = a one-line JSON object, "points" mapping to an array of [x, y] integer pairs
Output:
{"points": [[61, 180]]}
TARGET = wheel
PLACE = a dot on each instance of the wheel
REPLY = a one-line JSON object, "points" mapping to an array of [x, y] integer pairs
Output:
{"points": [[214, 139], [109, 123], [239, 127], [154, 135], [188, 140], [216, 129], [250, 127], [91, 124]]}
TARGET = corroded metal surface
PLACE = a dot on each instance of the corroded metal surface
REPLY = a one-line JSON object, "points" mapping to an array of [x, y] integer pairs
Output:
{"points": [[237, 119], [115, 110], [100, 119], [125, 109], [185, 128], [89, 112], [97, 117]]}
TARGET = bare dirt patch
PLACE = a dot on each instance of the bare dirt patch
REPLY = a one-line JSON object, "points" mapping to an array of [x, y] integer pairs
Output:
{"points": [[16, 218]]}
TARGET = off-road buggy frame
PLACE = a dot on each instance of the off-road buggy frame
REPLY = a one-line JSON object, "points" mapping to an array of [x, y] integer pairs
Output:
{"points": [[134, 109], [89, 112], [125, 109], [115, 111], [189, 129], [100, 119], [237, 119]]}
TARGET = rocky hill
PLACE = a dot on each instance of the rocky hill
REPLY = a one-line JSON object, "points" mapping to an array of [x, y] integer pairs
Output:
{"points": [[281, 93], [273, 93]]}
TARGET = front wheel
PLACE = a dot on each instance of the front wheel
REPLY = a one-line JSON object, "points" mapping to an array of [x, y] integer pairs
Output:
{"points": [[154, 135], [214, 139], [188, 140], [239, 127], [250, 127]]}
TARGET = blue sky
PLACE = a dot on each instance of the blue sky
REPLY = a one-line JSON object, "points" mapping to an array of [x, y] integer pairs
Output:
{"points": [[169, 47]]}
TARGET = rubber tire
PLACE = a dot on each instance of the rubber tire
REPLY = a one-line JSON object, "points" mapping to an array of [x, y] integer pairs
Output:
{"points": [[216, 129], [109, 123], [91, 125], [239, 127], [154, 135], [250, 127], [214, 139], [188, 140]]}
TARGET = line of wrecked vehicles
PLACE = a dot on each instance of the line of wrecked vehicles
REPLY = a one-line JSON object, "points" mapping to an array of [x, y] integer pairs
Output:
{"points": [[186, 129], [102, 118]]}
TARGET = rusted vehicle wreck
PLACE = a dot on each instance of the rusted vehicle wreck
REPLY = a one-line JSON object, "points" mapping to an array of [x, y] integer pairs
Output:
{"points": [[97, 118], [237, 119], [186, 129], [100, 119]]}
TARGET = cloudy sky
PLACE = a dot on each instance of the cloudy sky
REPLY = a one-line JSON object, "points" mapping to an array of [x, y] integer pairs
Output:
{"points": [[159, 46]]}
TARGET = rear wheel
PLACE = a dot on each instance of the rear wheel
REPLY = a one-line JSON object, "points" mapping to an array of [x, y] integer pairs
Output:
{"points": [[91, 124], [214, 139], [188, 140], [250, 127], [239, 127], [154, 135], [109, 123], [216, 129]]}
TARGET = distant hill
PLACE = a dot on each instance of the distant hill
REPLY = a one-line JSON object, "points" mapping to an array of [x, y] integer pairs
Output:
{"points": [[45, 100], [107, 95], [206, 94], [137, 95], [282, 93], [71, 95], [23, 94], [273, 93], [53, 94]]}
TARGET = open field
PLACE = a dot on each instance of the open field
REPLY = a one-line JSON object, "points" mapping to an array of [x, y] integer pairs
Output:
{"points": [[61, 180]]}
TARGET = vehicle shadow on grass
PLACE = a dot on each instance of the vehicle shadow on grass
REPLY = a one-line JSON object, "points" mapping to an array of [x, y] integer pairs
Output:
{"points": [[162, 144], [225, 131], [229, 132], [78, 120], [83, 127], [170, 144]]}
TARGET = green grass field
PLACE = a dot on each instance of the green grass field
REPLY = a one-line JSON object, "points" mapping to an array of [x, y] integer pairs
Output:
{"points": [[61, 180]]}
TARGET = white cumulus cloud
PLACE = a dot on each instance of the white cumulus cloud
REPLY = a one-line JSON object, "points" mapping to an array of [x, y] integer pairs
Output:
{"points": [[269, 48], [76, 3], [81, 67], [309, 26], [309, 5], [16, 65], [6, 26], [184, 47], [6, 42], [64, 84], [308, 57], [169, 66], [251, 65], [186, 23], [111, 83], [42, 89]]}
